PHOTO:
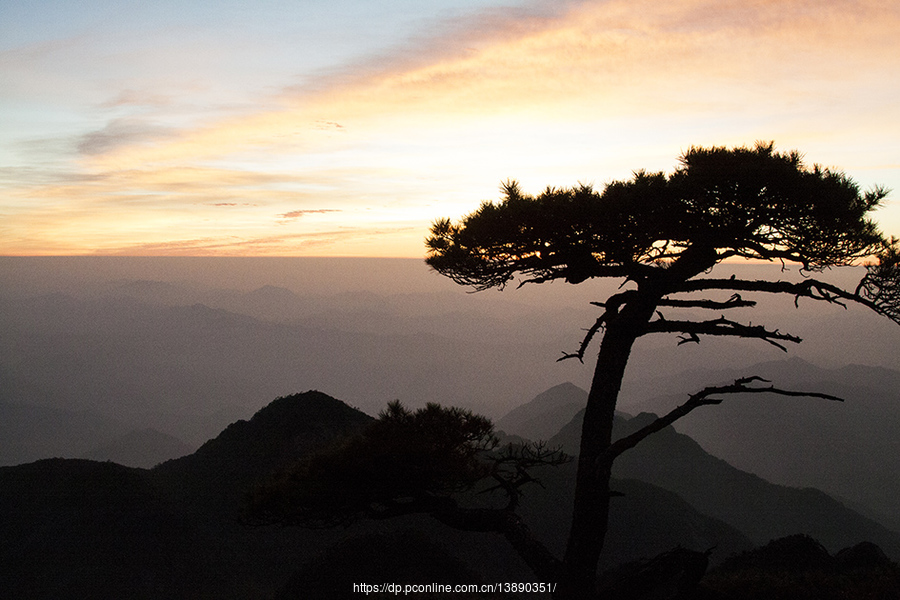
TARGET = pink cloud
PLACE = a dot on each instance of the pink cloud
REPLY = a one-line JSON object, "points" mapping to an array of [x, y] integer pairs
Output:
{"points": [[296, 214]]}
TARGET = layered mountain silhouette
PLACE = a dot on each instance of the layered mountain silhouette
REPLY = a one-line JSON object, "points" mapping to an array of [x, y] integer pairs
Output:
{"points": [[29, 432], [761, 510], [188, 370], [848, 449], [88, 529], [546, 414]]}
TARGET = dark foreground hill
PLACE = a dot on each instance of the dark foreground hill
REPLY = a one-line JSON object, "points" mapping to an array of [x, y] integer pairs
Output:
{"points": [[86, 529]]}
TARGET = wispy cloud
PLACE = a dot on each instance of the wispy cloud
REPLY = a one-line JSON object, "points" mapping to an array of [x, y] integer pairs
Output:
{"points": [[598, 60], [132, 97], [121, 132], [296, 214], [552, 94], [356, 241]]}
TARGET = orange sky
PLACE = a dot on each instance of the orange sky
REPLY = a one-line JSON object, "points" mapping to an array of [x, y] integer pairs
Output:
{"points": [[358, 158]]}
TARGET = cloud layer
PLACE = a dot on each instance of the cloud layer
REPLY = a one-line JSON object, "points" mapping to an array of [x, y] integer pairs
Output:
{"points": [[361, 158]]}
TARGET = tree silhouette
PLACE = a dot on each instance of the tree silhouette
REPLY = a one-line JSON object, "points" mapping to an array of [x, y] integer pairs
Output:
{"points": [[661, 234], [414, 462]]}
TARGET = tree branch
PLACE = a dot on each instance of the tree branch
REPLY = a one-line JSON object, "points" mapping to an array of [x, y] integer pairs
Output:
{"points": [[734, 302], [703, 398], [511, 467], [576, 275], [809, 288], [881, 284], [611, 308], [721, 327], [586, 341]]}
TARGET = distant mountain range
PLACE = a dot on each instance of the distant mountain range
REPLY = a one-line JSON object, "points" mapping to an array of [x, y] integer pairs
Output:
{"points": [[188, 370], [546, 414], [849, 449], [675, 462], [88, 529], [187, 346], [29, 433]]}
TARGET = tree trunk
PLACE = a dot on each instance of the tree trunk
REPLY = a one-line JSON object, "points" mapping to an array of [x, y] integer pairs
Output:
{"points": [[591, 507]]}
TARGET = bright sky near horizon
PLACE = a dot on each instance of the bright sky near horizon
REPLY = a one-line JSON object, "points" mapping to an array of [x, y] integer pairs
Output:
{"points": [[345, 127]]}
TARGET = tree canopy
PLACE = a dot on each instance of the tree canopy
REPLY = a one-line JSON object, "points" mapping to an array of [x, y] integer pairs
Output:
{"points": [[754, 203], [413, 462], [401, 456]]}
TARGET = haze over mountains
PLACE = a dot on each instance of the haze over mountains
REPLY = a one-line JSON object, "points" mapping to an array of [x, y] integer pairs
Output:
{"points": [[92, 349], [849, 449], [759, 509], [91, 529], [140, 360]]}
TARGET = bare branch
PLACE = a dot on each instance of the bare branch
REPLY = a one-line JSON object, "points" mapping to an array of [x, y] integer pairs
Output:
{"points": [[688, 339], [720, 327], [511, 467], [809, 288], [734, 302], [586, 341], [611, 308], [704, 397]]}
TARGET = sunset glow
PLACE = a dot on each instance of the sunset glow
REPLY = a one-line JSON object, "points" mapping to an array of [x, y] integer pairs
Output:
{"points": [[324, 129]]}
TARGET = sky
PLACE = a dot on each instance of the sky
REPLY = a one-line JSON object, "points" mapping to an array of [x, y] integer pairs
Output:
{"points": [[346, 127]]}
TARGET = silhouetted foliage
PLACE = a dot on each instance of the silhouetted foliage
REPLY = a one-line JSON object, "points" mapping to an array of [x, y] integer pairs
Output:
{"points": [[412, 462], [673, 574], [753, 203], [881, 285], [400, 457], [660, 234]]}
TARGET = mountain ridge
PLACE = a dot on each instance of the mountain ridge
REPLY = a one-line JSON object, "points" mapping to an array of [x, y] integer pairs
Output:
{"points": [[754, 506], [173, 530], [849, 449]]}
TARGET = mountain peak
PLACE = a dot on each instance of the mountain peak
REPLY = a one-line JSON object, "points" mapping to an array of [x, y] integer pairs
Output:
{"points": [[280, 433], [563, 391], [306, 410], [546, 413], [285, 421], [272, 292]]}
